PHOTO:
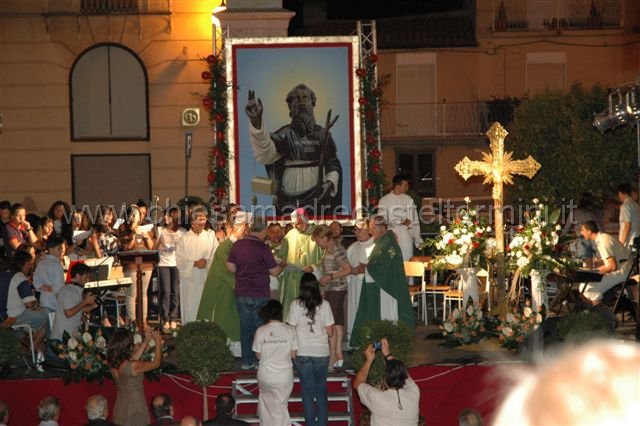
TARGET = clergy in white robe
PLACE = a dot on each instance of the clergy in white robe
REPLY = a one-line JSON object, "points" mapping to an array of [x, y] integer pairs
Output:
{"points": [[357, 253], [194, 254], [400, 213]]}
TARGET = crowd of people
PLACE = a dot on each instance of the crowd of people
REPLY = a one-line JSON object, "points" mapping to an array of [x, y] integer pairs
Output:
{"points": [[286, 296]]}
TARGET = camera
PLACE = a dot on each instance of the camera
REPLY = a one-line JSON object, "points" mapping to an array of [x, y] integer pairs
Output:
{"points": [[377, 346]]}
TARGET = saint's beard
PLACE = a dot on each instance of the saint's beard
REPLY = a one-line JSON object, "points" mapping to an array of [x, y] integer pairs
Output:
{"points": [[303, 123]]}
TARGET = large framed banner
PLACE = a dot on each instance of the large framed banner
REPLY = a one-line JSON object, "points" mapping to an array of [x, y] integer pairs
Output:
{"points": [[294, 133]]}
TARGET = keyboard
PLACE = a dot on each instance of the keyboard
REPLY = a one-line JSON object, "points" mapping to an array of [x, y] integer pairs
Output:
{"points": [[108, 284]]}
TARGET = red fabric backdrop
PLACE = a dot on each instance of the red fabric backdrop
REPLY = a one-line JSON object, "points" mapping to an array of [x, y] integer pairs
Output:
{"points": [[445, 390]]}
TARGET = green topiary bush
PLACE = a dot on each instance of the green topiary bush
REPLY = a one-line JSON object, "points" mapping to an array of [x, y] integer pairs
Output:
{"points": [[201, 350], [400, 338]]}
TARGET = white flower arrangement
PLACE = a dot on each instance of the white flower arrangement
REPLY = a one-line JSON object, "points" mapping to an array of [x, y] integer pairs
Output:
{"points": [[462, 243], [534, 245]]}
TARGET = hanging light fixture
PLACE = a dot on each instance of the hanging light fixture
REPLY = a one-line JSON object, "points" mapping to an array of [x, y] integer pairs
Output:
{"points": [[621, 111], [604, 121]]}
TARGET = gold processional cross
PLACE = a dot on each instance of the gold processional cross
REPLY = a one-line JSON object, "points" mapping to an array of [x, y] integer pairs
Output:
{"points": [[498, 169]]}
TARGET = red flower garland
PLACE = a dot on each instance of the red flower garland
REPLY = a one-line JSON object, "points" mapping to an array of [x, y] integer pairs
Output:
{"points": [[369, 108], [215, 101]]}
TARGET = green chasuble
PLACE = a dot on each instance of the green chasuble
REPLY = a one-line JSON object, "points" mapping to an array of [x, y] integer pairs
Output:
{"points": [[386, 267], [218, 303], [298, 251]]}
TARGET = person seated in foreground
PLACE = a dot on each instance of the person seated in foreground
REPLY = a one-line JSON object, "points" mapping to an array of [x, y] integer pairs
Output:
{"points": [[225, 410], [594, 384], [49, 411], [397, 402], [98, 411], [162, 409]]}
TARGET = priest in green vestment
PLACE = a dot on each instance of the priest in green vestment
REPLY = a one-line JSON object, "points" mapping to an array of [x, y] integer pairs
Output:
{"points": [[299, 252], [385, 292], [218, 302]]}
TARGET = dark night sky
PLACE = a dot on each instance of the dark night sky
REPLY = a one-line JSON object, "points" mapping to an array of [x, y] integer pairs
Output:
{"points": [[375, 9]]}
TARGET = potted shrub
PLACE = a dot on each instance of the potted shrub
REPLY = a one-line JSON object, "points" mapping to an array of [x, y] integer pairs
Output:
{"points": [[202, 351]]}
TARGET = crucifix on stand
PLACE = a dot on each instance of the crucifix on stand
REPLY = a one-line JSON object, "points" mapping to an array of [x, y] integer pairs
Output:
{"points": [[498, 169]]}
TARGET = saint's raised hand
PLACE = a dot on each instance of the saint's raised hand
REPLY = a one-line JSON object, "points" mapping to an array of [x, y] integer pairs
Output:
{"points": [[254, 110]]}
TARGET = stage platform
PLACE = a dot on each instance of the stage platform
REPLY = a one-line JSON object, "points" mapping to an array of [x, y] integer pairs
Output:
{"points": [[445, 390]]}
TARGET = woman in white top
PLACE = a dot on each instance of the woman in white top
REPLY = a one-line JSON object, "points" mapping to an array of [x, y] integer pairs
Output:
{"points": [[168, 273], [275, 344], [312, 318]]}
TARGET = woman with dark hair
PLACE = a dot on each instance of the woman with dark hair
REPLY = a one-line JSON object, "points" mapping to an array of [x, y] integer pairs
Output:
{"points": [[275, 344], [397, 401], [313, 320], [128, 373], [60, 213], [134, 237], [103, 229]]}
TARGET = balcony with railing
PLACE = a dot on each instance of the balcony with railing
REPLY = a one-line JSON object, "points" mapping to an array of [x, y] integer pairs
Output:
{"points": [[554, 15], [438, 119]]}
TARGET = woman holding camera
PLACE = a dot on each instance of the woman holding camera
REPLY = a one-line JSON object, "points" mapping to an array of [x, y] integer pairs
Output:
{"points": [[397, 401]]}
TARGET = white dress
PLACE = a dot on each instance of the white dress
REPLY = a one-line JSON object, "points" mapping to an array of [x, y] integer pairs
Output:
{"points": [[357, 253], [189, 248], [274, 342], [396, 208]]}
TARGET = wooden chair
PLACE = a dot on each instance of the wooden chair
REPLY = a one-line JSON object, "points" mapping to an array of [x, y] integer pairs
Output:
{"points": [[455, 294], [416, 270]]}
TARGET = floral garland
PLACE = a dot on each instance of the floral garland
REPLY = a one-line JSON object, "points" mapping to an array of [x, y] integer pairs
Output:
{"points": [[215, 101], [370, 102]]}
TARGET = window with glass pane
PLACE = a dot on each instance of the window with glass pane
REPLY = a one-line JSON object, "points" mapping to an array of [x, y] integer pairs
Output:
{"points": [[419, 167], [109, 98]]}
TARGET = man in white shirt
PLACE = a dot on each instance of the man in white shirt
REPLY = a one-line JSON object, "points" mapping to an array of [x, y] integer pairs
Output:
{"points": [[615, 267], [194, 254], [48, 277], [399, 211], [629, 218], [73, 303]]}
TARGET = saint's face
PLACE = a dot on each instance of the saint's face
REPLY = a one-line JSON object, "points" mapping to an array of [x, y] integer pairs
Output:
{"points": [[301, 102]]}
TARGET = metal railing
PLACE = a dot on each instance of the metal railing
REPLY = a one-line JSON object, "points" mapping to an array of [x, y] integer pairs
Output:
{"points": [[434, 119], [541, 15], [105, 7]]}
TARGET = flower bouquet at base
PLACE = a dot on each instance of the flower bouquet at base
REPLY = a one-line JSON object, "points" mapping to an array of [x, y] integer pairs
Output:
{"points": [[461, 244], [85, 355], [464, 326], [516, 326]]}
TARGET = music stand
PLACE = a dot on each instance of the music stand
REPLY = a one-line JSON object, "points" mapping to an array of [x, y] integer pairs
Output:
{"points": [[138, 257]]}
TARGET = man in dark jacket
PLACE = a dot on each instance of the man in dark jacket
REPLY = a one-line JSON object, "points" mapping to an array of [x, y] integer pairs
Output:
{"points": [[225, 410]]}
